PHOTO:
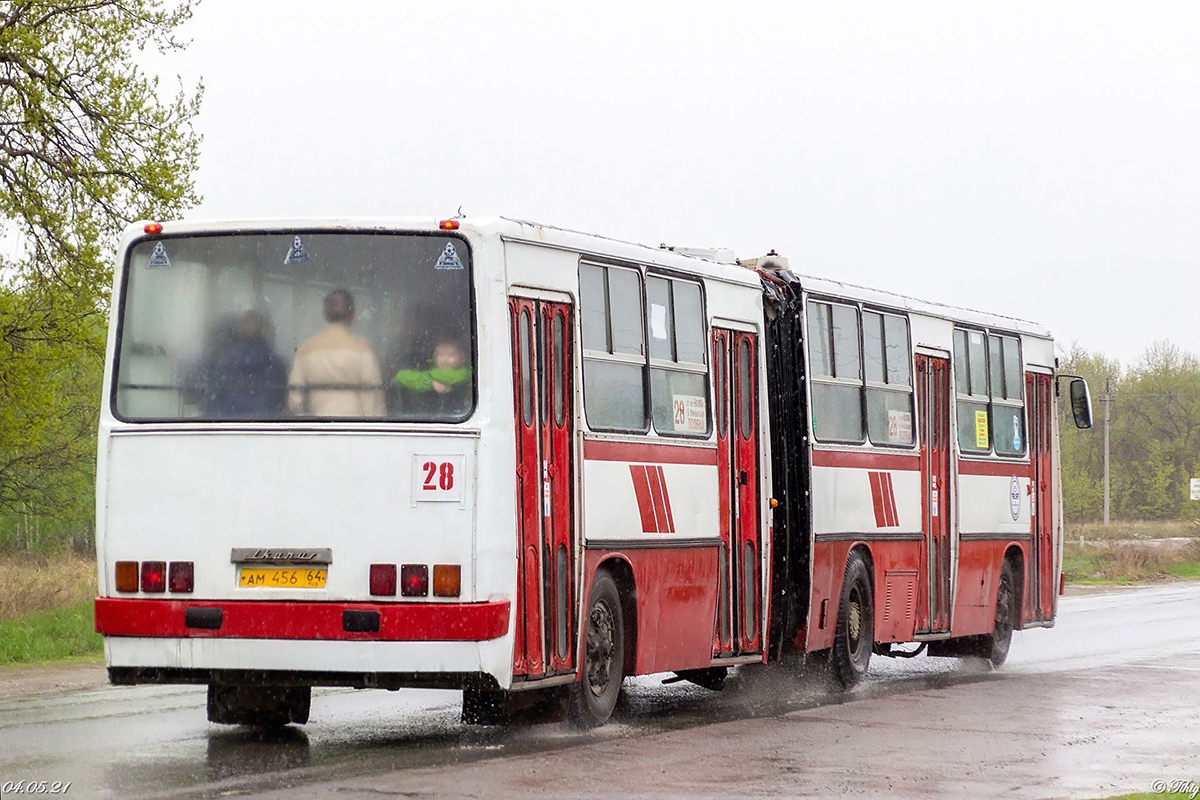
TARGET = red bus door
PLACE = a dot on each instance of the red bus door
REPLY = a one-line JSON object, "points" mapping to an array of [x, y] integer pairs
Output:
{"points": [[1039, 400], [739, 592], [933, 407], [542, 391]]}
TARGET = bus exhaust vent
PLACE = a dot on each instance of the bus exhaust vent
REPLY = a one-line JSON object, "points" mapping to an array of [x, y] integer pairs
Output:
{"points": [[771, 262]]}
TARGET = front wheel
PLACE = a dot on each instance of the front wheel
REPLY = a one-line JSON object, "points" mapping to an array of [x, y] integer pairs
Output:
{"points": [[594, 697], [995, 647], [854, 636]]}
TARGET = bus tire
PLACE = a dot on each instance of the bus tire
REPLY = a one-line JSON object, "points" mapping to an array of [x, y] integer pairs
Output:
{"points": [[593, 698], [258, 706], [854, 636], [484, 707], [995, 646]]}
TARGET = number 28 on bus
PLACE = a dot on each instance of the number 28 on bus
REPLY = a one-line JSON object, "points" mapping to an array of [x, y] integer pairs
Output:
{"points": [[506, 458]]}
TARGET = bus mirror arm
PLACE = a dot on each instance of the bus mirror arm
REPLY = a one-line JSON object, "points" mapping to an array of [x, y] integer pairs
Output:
{"points": [[1081, 400]]}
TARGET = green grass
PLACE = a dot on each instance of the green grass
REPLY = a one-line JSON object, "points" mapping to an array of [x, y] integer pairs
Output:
{"points": [[1111, 563], [54, 635]]}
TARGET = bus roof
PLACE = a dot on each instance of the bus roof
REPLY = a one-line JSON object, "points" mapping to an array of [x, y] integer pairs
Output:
{"points": [[603, 246]]}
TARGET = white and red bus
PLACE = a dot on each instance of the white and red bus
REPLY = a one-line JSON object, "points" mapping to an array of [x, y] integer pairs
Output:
{"points": [[504, 457]]}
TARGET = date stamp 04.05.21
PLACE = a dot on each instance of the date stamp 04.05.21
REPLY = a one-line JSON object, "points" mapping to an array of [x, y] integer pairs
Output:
{"points": [[32, 788], [1179, 786]]}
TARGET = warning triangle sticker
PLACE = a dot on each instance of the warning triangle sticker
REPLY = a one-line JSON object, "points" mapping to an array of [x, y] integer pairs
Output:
{"points": [[297, 252], [159, 258], [449, 258]]}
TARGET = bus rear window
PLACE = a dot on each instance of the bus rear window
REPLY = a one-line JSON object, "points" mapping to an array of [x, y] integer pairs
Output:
{"points": [[302, 325]]}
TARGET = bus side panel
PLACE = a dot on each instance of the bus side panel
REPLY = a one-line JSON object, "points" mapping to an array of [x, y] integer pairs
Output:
{"points": [[675, 591], [829, 567], [979, 565]]}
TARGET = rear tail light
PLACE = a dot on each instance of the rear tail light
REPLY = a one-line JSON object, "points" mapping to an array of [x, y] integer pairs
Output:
{"points": [[154, 576], [414, 580], [447, 580], [383, 579], [127, 576], [181, 576]]}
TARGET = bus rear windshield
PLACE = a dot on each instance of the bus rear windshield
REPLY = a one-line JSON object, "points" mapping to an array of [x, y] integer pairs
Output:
{"points": [[301, 325]]}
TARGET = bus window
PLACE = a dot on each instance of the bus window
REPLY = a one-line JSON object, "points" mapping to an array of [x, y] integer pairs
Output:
{"points": [[1008, 410], [678, 369], [309, 324], [888, 365], [970, 372], [836, 372], [614, 359]]}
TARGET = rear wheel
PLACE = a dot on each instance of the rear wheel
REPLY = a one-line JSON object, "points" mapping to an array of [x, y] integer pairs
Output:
{"points": [[594, 697], [854, 636], [995, 647], [259, 706]]}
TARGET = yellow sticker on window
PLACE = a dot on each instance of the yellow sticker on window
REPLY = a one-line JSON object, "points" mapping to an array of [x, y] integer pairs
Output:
{"points": [[981, 430]]}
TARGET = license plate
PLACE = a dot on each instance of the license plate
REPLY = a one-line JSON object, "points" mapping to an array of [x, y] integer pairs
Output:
{"points": [[281, 578]]}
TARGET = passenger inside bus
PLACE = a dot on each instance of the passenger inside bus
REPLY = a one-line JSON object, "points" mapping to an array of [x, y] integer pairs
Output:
{"points": [[441, 390], [247, 378], [336, 373]]}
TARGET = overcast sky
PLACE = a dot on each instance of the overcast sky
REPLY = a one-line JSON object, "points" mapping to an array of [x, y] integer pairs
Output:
{"points": [[1034, 159]]}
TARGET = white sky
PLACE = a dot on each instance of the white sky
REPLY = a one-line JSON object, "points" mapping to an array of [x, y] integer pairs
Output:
{"points": [[1034, 159]]}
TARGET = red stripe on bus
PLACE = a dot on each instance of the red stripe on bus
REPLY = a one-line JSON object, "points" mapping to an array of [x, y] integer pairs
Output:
{"points": [[1002, 469], [877, 499], [866, 460], [398, 622], [641, 490], [648, 453], [656, 493], [662, 478], [889, 496]]}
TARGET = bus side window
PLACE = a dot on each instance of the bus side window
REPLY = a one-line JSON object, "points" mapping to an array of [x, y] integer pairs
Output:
{"points": [[678, 364], [888, 366], [614, 357], [835, 367]]}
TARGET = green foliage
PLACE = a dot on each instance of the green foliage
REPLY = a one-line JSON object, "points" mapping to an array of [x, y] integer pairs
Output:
{"points": [[1154, 438], [50, 636], [88, 143]]}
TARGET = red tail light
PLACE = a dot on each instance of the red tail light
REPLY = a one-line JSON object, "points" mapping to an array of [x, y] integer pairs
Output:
{"points": [[383, 579], [181, 576], [127, 576], [414, 580], [154, 576]]}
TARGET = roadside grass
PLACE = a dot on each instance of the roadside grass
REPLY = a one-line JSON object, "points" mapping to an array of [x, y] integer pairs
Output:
{"points": [[1125, 531], [46, 609], [1112, 563]]}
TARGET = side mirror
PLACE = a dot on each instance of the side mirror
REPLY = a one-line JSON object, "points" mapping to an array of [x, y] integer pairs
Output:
{"points": [[1081, 403]]}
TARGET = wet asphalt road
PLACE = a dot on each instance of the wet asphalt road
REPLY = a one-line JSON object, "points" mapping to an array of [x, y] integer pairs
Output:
{"points": [[1106, 702]]}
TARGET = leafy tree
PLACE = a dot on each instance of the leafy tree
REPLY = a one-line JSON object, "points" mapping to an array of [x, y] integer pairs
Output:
{"points": [[88, 143]]}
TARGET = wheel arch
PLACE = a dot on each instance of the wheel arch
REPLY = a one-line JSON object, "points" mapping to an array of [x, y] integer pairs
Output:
{"points": [[1014, 555], [622, 572]]}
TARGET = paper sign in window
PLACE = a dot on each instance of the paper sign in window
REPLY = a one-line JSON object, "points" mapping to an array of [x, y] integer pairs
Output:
{"points": [[981, 430], [899, 426], [658, 321], [690, 413]]}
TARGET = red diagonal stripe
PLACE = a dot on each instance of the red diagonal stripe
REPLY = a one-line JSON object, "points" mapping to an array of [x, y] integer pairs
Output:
{"points": [[641, 489], [889, 500], [662, 479], [656, 493], [877, 499]]}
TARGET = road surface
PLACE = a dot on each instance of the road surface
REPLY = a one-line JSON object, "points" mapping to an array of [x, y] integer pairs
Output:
{"points": [[1105, 703]]}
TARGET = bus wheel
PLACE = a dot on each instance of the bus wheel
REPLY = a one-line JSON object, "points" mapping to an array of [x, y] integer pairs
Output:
{"points": [[594, 697], [258, 706], [854, 637], [995, 647], [484, 707]]}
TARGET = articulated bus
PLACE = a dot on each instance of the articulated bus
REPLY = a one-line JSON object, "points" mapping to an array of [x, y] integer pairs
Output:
{"points": [[527, 462]]}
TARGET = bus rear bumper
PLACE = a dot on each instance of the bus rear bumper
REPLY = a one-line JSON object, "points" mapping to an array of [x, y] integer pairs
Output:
{"points": [[313, 644]]}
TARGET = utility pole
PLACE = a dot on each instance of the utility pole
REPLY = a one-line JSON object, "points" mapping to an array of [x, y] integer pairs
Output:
{"points": [[1107, 418]]}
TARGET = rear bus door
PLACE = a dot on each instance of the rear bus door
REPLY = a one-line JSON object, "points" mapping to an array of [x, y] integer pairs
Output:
{"points": [[542, 392], [739, 594], [933, 406], [1039, 391]]}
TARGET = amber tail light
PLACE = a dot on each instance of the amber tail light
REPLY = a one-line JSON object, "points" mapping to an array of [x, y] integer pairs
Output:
{"points": [[447, 580], [127, 576]]}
